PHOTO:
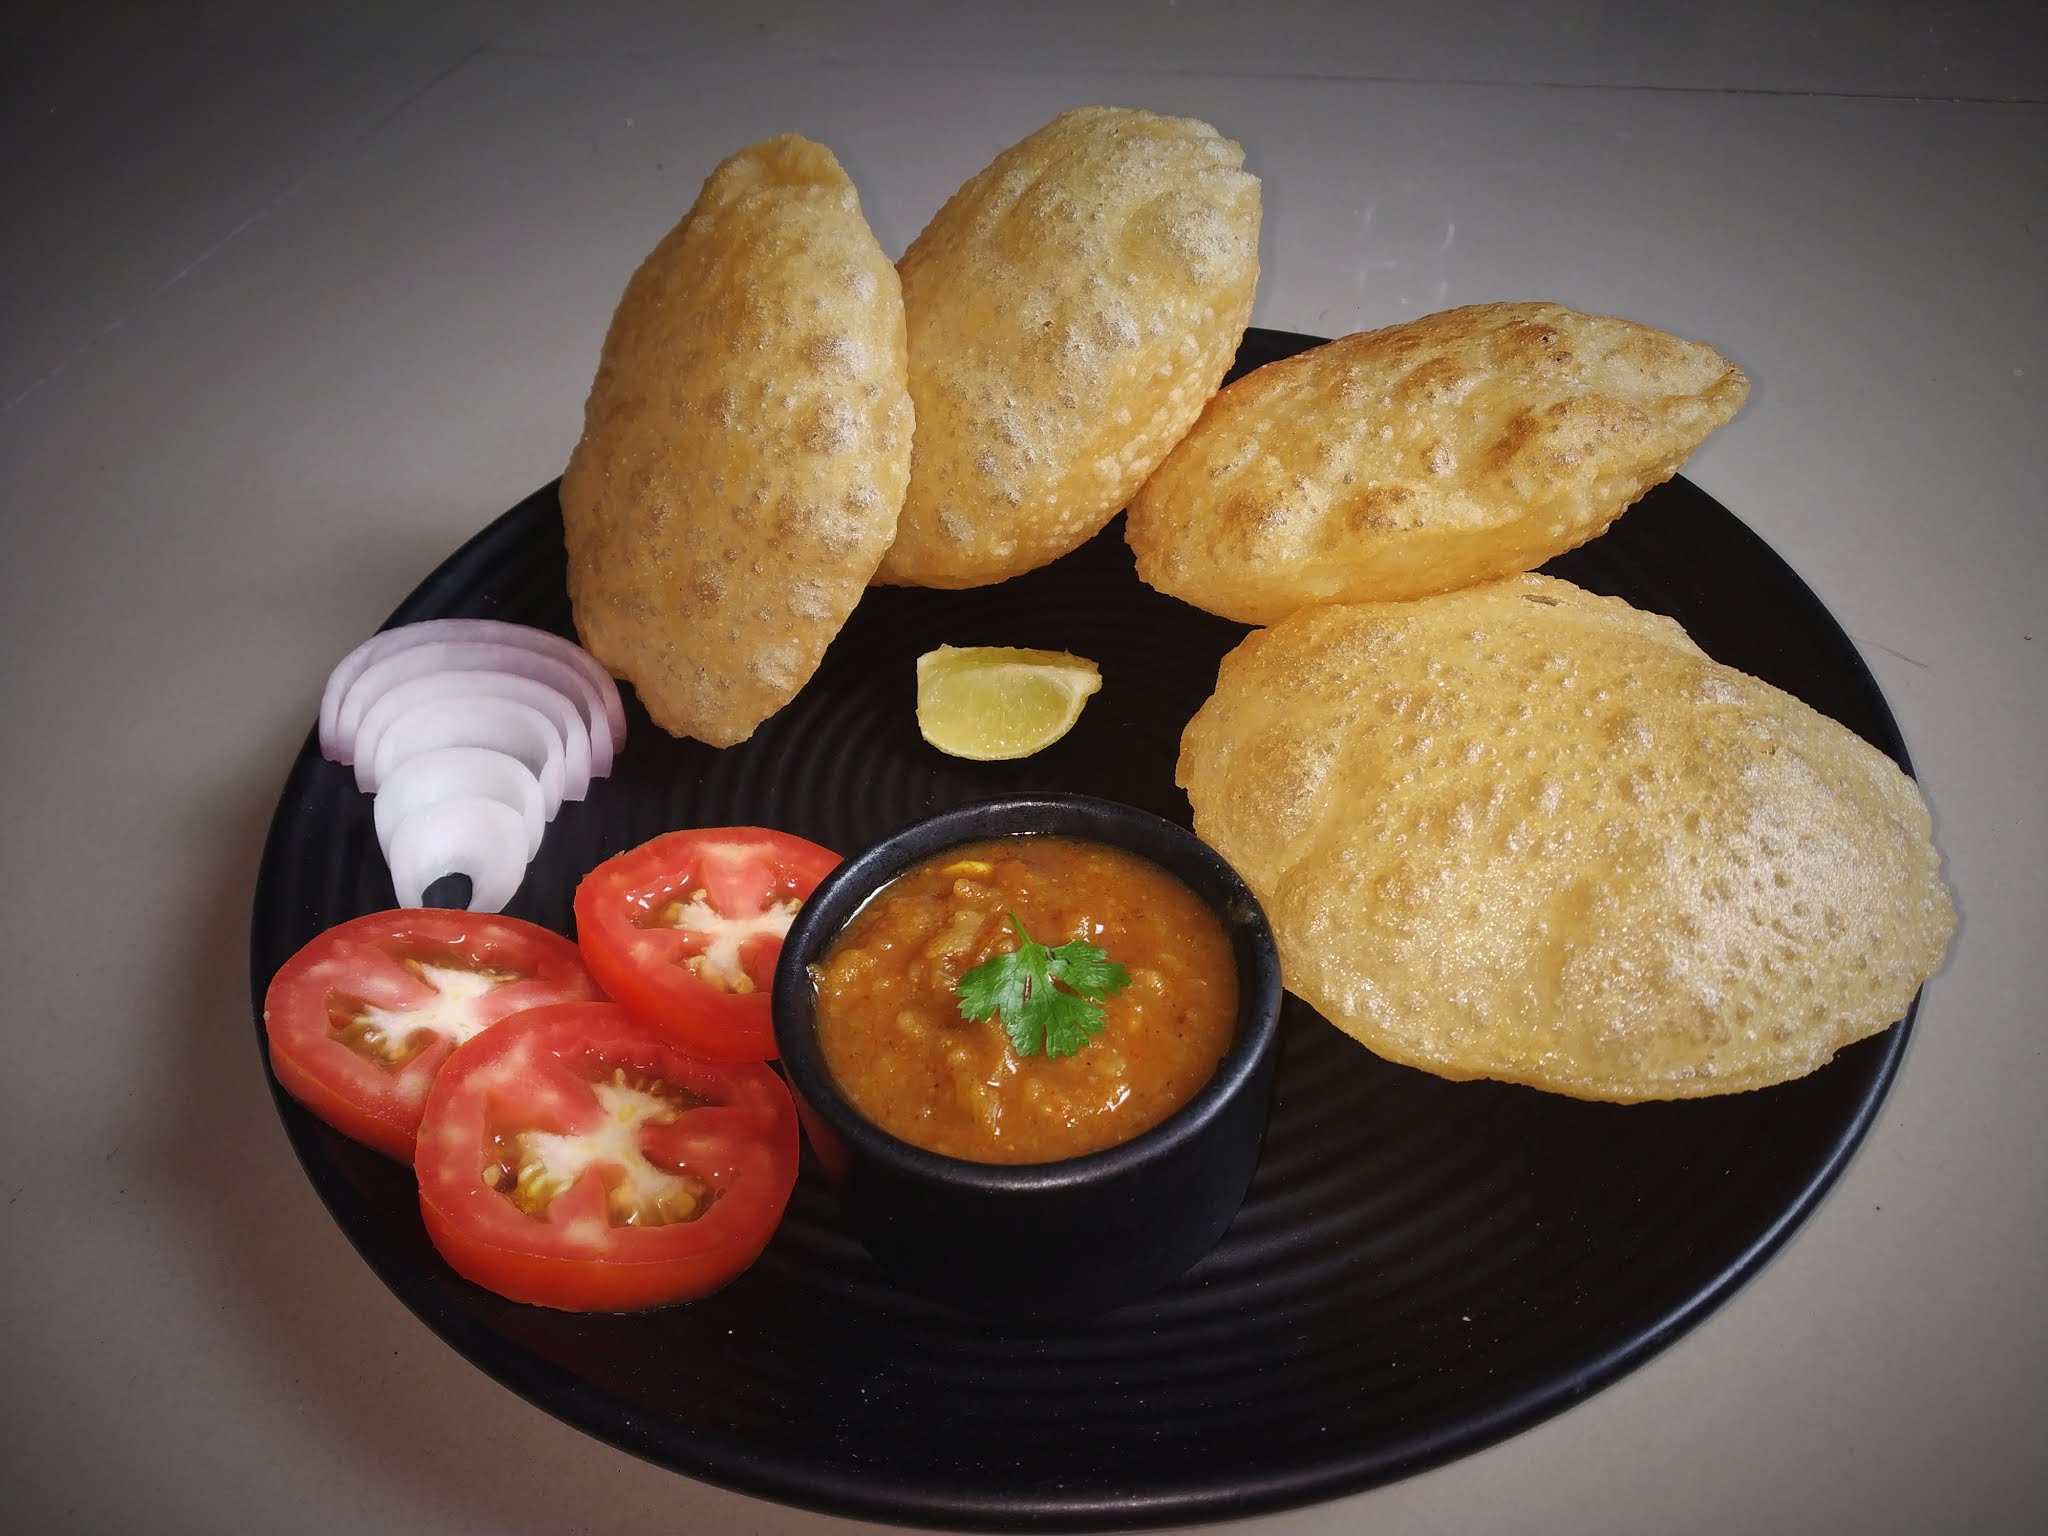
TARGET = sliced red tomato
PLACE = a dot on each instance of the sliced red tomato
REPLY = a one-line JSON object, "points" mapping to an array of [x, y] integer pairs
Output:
{"points": [[575, 1157], [361, 1019], [684, 930]]}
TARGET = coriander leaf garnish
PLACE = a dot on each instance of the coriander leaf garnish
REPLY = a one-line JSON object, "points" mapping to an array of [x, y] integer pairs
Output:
{"points": [[1024, 988]]}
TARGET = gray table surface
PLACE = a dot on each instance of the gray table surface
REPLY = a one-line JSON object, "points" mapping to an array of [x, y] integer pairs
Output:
{"points": [[298, 297]]}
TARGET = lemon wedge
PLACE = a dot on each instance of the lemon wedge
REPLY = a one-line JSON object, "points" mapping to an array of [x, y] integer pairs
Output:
{"points": [[995, 702]]}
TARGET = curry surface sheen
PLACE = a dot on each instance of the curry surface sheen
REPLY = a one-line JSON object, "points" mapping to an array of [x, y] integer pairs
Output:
{"points": [[889, 1020]]}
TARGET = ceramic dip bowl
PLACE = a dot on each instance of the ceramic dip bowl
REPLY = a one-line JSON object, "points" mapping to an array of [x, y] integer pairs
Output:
{"points": [[1041, 1240]]}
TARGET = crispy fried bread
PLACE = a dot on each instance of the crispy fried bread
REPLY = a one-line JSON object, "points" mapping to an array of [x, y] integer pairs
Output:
{"points": [[1455, 449], [1524, 832], [1070, 309], [746, 445]]}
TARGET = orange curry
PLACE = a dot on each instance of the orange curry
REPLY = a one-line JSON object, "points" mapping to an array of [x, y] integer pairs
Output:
{"points": [[889, 1021]]}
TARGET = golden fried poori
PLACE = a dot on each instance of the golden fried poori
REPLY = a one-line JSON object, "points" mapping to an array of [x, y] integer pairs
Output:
{"points": [[745, 447], [1528, 833], [1454, 449], [1070, 309]]}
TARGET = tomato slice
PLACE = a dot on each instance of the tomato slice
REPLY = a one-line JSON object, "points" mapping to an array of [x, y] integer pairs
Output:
{"points": [[361, 1019], [684, 930], [575, 1157]]}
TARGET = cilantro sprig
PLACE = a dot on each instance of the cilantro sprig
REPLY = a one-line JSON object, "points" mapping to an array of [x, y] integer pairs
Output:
{"points": [[1025, 988]]}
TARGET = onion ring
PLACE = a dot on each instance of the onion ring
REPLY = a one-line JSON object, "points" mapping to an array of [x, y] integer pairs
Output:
{"points": [[504, 725], [432, 687], [472, 836], [460, 773], [596, 691]]}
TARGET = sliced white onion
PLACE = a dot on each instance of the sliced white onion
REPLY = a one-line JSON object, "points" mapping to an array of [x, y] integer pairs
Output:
{"points": [[428, 658], [471, 733], [474, 836], [587, 682], [434, 686], [504, 725], [460, 773]]}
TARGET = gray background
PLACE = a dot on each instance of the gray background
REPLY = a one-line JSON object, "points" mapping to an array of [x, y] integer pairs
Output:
{"points": [[297, 297]]}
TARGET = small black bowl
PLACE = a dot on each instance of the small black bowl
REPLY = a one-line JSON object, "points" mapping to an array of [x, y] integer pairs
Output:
{"points": [[1042, 1240]]}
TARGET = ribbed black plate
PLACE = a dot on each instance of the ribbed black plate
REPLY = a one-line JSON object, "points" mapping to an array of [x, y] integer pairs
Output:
{"points": [[1421, 1268]]}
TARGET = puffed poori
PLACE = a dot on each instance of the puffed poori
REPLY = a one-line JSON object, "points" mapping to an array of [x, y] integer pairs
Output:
{"points": [[1448, 451], [746, 446], [1070, 310], [1527, 833]]}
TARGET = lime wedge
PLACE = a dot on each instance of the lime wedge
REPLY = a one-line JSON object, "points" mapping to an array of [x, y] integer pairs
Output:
{"points": [[995, 702]]}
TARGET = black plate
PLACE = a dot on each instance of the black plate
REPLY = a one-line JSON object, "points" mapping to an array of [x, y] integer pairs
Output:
{"points": [[1421, 1268]]}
